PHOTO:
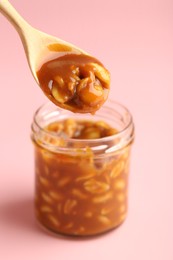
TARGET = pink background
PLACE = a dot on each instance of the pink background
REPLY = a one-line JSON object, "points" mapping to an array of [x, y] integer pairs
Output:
{"points": [[134, 39]]}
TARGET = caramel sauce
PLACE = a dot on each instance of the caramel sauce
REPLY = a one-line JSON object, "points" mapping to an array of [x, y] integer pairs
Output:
{"points": [[79, 193], [76, 82]]}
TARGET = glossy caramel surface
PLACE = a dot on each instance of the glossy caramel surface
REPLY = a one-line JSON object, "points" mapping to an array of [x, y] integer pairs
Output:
{"points": [[76, 82]]}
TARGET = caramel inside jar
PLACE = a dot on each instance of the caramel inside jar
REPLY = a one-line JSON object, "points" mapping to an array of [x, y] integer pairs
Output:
{"points": [[80, 194]]}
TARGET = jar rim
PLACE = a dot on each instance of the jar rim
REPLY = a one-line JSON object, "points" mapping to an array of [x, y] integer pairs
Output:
{"points": [[111, 111], [107, 138]]}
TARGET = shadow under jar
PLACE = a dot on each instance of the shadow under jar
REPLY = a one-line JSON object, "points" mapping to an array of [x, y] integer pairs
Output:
{"points": [[81, 185]]}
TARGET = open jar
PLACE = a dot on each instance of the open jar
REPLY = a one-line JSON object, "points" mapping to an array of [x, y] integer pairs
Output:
{"points": [[81, 185]]}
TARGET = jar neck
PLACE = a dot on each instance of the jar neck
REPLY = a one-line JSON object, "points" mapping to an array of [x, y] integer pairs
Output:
{"points": [[115, 114]]}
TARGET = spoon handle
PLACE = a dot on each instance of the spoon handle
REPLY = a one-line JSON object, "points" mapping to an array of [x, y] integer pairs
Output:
{"points": [[22, 27], [28, 34], [14, 17]]}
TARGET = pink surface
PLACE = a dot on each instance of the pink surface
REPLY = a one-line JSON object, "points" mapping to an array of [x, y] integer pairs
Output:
{"points": [[134, 39]]}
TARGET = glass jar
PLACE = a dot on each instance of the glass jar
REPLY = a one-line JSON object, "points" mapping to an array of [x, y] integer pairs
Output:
{"points": [[81, 186]]}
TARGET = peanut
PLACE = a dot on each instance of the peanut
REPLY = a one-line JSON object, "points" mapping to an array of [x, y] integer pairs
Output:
{"points": [[96, 187], [119, 184], [44, 181], [55, 195], [69, 206], [63, 182], [60, 81], [104, 220], [45, 208], [46, 198], [79, 194], [54, 220], [58, 96], [117, 170], [103, 198]]}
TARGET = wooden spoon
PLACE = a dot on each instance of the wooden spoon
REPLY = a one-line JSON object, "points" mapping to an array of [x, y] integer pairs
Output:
{"points": [[41, 48], [34, 41]]}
